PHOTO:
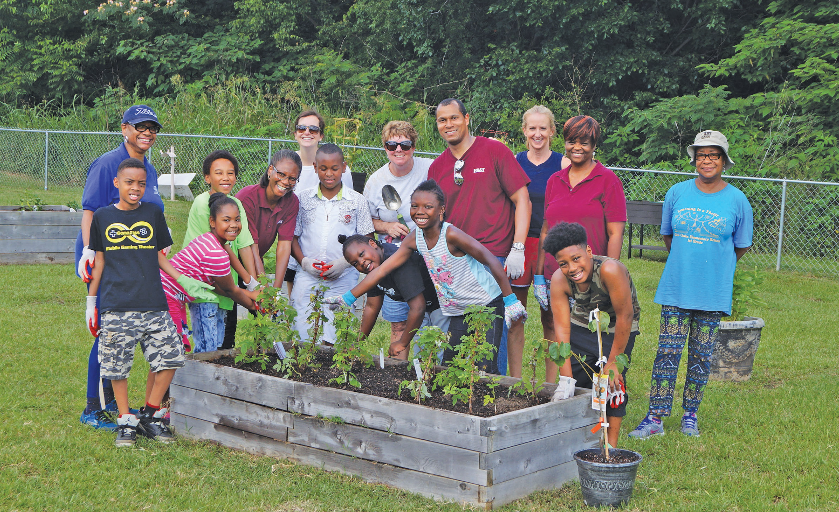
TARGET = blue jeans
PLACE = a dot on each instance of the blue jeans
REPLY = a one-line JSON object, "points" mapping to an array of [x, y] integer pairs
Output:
{"points": [[394, 311], [502, 348], [207, 326]]}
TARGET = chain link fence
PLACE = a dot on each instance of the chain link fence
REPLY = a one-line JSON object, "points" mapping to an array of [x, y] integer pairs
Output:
{"points": [[796, 222]]}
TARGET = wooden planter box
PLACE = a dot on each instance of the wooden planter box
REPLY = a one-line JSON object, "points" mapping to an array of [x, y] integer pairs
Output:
{"points": [[47, 236], [487, 462]]}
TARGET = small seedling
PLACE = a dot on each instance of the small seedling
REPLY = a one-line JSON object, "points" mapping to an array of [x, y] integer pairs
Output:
{"points": [[431, 341], [347, 348]]}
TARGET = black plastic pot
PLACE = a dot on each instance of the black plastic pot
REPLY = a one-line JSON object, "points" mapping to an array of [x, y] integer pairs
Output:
{"points": [[607, 484], [734, 354]]}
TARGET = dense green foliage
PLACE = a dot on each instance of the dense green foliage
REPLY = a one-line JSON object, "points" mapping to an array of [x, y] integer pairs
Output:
{"points": [[653, 73]]}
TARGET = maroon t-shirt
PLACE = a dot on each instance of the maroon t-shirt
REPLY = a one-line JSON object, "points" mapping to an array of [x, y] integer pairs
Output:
{"points": [[265, 223], [481, 206], [596, 200]]}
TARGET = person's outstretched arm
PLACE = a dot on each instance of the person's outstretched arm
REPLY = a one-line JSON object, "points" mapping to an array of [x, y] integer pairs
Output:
{"points": [[467, 244]]}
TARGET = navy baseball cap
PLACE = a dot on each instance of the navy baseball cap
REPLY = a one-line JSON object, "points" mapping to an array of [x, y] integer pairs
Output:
{"points": [[138, 114]]}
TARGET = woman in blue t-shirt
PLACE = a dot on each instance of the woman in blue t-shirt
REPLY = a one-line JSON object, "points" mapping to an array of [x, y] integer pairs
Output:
{"points": [[707, 226], [540, 163]]}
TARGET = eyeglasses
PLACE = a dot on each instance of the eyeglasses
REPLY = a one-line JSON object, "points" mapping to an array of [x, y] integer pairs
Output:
{"points": [[281, 176], [142, 128], [712, 156], [313, 128], [391, 145], [458, 177]]}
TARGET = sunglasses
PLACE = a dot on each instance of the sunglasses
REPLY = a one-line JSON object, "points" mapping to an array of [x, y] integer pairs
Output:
{"points": [[313, 128], [142, 128], [458, 176], [391, 145]]}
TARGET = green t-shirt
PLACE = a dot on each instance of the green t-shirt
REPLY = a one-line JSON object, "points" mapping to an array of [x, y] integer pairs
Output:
{"points": [[199, 223]]}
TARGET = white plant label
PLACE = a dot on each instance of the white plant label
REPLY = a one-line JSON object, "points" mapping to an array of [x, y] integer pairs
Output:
{"points": [[418, 369], [599, 392], [382, 358], [280, 349]]}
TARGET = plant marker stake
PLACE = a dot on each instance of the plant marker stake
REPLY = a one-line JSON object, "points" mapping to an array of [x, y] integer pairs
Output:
{"points": [[280, 349], [418, 369], [596, 314], [381, 358]]}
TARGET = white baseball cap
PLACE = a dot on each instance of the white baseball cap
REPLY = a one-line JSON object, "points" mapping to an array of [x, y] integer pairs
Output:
{"points": [[710, 138]]}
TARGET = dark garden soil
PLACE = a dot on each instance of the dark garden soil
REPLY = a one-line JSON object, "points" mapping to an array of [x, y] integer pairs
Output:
{"points": [[615, 456], [384, 382]]}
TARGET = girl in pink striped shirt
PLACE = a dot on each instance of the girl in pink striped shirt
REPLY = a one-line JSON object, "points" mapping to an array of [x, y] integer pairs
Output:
{"points": [[206, 260]]}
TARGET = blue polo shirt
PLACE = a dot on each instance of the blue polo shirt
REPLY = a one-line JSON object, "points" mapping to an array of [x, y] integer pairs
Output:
{"points": [[99, 189]]}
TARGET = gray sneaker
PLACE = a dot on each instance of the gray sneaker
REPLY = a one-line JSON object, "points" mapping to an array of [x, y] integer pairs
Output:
{"points": [[152, 426], [126, 430], [647, 428], [689, 425]]}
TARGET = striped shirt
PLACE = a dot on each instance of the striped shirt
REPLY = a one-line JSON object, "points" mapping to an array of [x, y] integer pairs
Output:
{"points": [[459, 281], [203, 259]]}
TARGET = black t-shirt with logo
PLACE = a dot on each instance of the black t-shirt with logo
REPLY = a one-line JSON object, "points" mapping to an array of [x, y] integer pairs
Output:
{"points": [[130, 240], [407, 281]]}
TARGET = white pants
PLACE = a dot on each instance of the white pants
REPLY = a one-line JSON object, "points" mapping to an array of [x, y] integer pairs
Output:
{"points": [[300, 300]]}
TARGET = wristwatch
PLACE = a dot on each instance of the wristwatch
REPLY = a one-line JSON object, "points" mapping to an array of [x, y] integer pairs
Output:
{"points": [[518, 246]]}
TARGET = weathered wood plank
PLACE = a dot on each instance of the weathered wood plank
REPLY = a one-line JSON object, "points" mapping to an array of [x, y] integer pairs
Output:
{"points": [[445, 427], [43, 218], [37, 245], [526, 458], [232, 413], [498, 495], [28, 231], [235, 383], [394, 449], [26, 258], [412, 481], [537, 422]]}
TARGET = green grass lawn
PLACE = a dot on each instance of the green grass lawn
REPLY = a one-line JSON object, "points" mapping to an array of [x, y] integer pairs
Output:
{"points": [[767, 444]]}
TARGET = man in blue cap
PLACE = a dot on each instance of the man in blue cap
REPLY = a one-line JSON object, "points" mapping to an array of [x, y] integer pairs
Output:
{"points": [[139, 129]]}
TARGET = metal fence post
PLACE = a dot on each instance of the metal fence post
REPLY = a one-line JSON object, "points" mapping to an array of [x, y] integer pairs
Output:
{"points": [[781, 224], [46, 157], [269, 152]]}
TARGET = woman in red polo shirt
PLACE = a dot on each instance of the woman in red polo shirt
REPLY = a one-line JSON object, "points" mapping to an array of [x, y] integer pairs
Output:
{"points": [[587, 193], [272, 210]]}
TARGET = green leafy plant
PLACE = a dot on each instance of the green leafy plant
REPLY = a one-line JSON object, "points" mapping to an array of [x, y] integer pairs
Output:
{"points": [[431, 341], [466, 368], [347, 348], [532, 386], [489, 398], [30, 203], [273, 322], [745, 293]]}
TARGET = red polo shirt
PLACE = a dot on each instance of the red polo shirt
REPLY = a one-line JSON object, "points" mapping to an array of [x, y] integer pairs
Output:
{"points": [[265, 223], [596, 200], [481, 206]]}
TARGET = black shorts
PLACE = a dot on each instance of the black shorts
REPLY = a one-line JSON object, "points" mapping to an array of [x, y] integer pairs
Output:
{"points": [[584, 343], [289, 275]]}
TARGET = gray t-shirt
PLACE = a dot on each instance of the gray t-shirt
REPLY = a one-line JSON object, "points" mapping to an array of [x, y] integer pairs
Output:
{"points": [[404, 185]]}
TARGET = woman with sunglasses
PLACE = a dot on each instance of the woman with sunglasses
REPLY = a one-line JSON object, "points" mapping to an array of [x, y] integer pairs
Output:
{"points": [[707, 227], [139, 131], [403, 172], [587, 193], [272, 210]]}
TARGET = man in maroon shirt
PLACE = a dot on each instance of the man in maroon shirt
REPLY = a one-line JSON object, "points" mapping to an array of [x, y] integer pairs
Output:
{"points": [[486, 197]]}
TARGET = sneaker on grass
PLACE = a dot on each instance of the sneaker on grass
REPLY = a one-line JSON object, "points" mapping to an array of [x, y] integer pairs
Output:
{"points": [[689, 425], [126, 430], [112, 408], [649, 426], [152, 426], [98, 419]]}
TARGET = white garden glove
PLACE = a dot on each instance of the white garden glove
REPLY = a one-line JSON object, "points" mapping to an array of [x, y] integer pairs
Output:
{"points": [[86, 262], [253, 284], [513, 310], [91, 315], [564, 389], [542, 292], [514, 263], [310, 265], [336, 268], [336, 301]]}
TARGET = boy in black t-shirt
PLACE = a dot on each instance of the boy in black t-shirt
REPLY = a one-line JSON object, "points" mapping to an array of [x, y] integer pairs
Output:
{"points": [[127, 238]]}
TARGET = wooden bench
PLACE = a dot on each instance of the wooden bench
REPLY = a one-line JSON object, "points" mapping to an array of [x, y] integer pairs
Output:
{"points": [[644, 213]]}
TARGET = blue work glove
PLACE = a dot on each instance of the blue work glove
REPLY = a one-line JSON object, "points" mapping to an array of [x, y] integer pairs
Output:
{"points": [[542, 292], [513, 310], [196, 289], [336, 301]]}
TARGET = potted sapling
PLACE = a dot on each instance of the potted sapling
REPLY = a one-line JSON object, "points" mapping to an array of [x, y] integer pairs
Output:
{"points": [[739, 334]]}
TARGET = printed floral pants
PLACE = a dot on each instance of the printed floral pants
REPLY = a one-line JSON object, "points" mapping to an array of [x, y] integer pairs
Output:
{"points": [[699, 329]]}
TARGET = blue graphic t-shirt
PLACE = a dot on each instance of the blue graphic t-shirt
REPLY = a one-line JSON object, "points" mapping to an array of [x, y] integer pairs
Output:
{"points": [[699, 273]]}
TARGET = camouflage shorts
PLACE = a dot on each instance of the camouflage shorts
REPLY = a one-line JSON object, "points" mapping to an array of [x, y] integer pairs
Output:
{"points": [[122, 330]]}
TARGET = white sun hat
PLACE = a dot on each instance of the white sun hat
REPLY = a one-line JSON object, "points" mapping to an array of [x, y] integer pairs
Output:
{"points": [[710, 138]]}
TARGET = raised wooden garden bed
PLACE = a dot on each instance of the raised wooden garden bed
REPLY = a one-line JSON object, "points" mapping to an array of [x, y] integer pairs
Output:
{"points": [[446, 455], [46, 236]]}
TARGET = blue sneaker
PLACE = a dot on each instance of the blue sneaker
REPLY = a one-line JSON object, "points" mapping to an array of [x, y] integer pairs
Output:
{"points": [[98, 419], [112, 408], [689, 426], [649, 426]]}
